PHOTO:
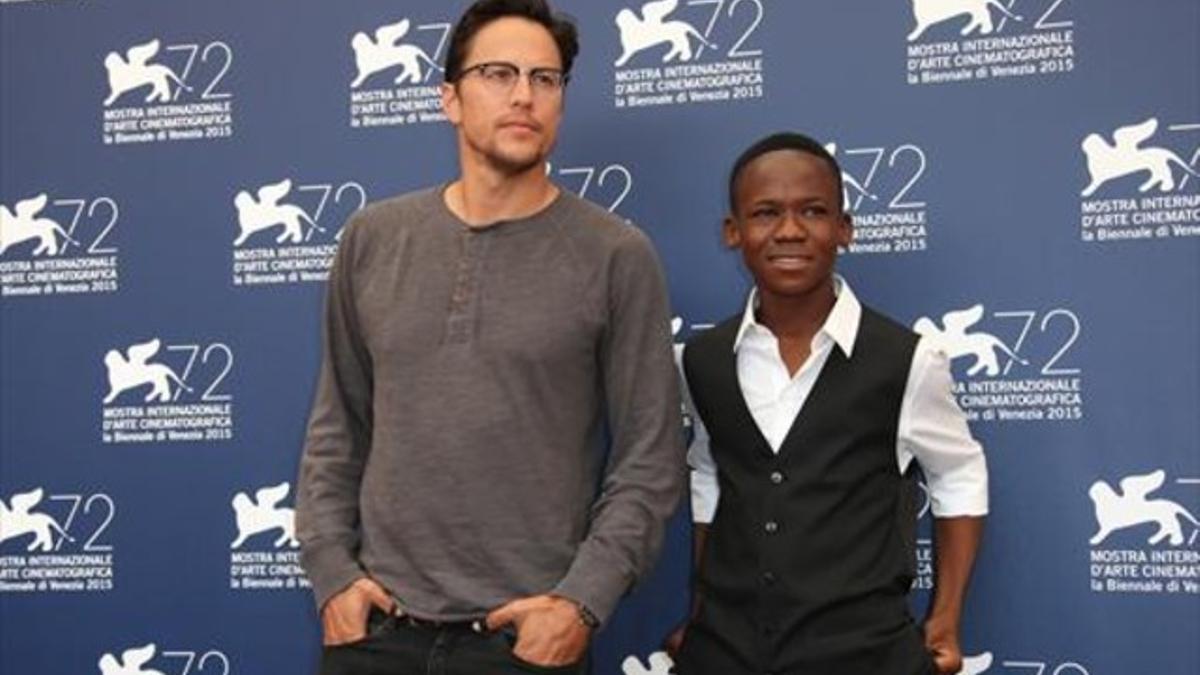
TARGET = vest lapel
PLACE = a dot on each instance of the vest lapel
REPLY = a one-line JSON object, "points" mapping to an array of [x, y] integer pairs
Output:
{"points": [[832, 372], [727, 380]]}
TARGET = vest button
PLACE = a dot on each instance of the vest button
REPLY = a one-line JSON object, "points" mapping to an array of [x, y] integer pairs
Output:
{"points": [[768, 578], [777, 477], [771, 527]]}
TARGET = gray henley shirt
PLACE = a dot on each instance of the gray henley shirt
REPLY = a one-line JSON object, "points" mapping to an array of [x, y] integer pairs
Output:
{"points": [[497, 411]]}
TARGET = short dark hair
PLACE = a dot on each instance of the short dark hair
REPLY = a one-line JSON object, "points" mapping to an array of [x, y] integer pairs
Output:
{"points": [[783, 141], [484, 12]]}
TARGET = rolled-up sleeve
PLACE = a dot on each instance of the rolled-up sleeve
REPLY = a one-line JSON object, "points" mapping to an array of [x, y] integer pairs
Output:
{"points": [[933, 429], [705, 491]]}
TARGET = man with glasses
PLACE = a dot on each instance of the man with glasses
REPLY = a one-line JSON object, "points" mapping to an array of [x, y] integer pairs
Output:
{"points": [[494, 447]]}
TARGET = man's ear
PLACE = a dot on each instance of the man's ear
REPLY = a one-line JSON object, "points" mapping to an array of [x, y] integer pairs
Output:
{"points": [[846, 231], [730, 234], [450, 103]]}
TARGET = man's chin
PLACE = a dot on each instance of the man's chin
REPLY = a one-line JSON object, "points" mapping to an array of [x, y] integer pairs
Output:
{"points": [[796, 285], [516, 163]]}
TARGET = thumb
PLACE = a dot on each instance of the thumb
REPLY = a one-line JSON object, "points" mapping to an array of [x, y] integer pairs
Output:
{"points": [[504, 614], [379, 597]]}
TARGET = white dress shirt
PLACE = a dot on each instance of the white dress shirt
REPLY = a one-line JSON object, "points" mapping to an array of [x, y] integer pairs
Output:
{"points": [[932, 428]]}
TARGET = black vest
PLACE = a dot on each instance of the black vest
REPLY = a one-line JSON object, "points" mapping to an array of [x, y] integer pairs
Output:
{"points": [[809, 559]]}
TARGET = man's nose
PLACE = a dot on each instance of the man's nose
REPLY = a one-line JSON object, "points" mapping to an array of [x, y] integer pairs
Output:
{"points": [[790, 227], [522, 91]]}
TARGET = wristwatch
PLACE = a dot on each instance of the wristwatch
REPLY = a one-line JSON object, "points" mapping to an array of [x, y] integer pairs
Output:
{"points": [[586, 617]]}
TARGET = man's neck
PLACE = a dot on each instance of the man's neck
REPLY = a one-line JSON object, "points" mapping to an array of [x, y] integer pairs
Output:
{"points": [[483, 197], [796, 317]]}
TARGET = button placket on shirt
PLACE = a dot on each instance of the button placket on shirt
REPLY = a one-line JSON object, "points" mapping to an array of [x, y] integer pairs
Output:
{"points": [[463, 295]]}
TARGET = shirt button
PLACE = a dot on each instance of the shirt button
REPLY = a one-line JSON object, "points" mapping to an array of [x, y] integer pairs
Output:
{"points": [[776, 477], [771, 527], [768, 578]]}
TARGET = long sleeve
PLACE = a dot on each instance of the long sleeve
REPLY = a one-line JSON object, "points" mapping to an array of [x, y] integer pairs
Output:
{"points": [[644, 475], [337, 441]]}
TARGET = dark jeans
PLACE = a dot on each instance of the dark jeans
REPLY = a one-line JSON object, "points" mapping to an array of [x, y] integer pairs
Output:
{"points": [[395, 646]]}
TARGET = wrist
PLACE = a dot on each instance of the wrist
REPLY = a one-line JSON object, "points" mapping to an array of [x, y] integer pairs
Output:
{"points": [[944, 611], [585, 616], [942, 626]]}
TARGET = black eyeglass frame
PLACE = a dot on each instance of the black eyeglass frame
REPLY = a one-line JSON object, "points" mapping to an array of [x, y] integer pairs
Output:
{"points": [[559, 83]]}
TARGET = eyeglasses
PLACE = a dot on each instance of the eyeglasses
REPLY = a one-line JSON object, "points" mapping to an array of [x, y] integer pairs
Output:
{"points": [[501, 77]]}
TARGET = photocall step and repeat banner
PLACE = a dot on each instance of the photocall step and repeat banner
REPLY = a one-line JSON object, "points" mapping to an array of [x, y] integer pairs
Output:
{"points": [[174, 176]]}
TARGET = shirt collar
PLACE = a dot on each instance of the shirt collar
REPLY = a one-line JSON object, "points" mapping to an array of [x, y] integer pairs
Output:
{"points": [[841, 325]]}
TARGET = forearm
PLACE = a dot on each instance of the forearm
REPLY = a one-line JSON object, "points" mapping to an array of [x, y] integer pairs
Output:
{"points": [[956, 542], [327, 501], [628, 524]]}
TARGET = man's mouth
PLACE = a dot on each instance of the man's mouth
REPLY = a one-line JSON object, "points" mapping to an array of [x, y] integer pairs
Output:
{"points": [[789, 260], [521, 125]]}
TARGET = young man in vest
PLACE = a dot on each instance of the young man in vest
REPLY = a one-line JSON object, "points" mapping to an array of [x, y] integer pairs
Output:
{"points": [[811, 408]]}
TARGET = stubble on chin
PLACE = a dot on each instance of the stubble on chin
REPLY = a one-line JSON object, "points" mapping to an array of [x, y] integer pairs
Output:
{"points": [[510, 165], [506, 161]]}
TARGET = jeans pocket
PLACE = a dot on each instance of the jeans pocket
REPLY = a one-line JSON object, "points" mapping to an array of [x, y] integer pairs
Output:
{"points": [[379, 623], [509, 637], [528, 666]]}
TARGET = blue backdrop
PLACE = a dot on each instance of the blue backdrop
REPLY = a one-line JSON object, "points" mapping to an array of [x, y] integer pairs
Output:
{"points": [[173, 176]]}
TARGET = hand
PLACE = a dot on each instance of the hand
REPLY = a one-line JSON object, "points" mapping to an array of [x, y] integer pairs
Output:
{"points": [[549, 632], [941, 640], [674, 641], [344, 617]]}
